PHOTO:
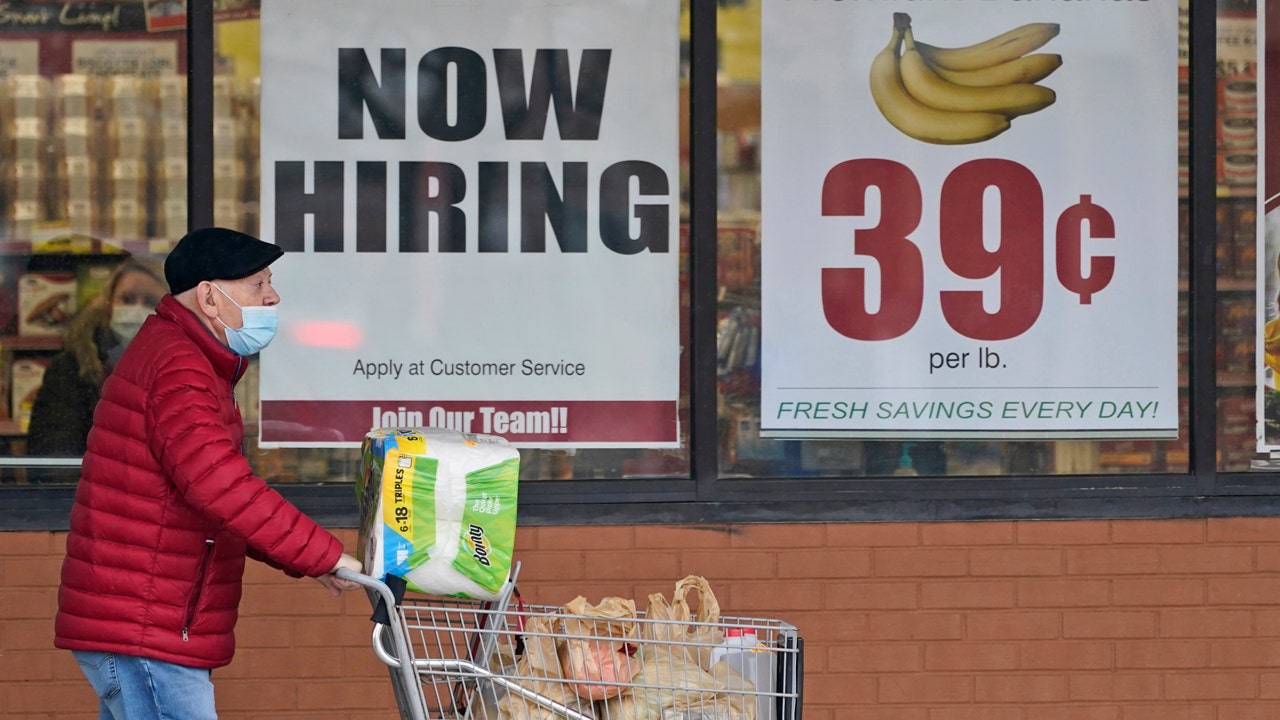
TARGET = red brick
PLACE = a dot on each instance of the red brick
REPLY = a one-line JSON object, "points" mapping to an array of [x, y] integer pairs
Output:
{"points": [[976, 712], [878, 712], [618, 565], [1167, 711], [1255, 653], [1157, 532], [748, 598], [1145, 654], [1268, 558], [928, 689], [1063, 593], [871, 595], [1004, 688], [285, 663], [984, 594], [69, 700], [1157, 591], [1072, 712], [1267, 622], [1243, 530], [970, 656], [777, 536], [1269, 683], [873, 534], [1016, 561], [1113, 624], [23, 635], [1020, 625], [1116, 686], [967, 533], [30, 665], [251, 695], [913, 562], [1062, 532], [1112, 560], [31, 571], [1067, 655], [915, 626], [1206, 622], [831, 627], [876, 658], [30, 543], [1206, 560], [678, 537], [526, 539], [320, 696], [1244, 591], [840, 689], [614, 537], [834, 563], [1248, 711], [1210, 686], [720, 565], [551, 567], [29, 603]]}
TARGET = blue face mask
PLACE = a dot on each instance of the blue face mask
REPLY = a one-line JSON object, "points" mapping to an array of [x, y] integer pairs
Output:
{"points": [[258, 329]]}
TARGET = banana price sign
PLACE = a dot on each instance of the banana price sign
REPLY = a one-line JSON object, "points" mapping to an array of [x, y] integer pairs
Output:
{"points": [[969, 219]]}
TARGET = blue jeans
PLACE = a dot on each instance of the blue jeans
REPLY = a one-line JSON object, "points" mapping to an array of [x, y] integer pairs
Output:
{"points": [[138, 688]]}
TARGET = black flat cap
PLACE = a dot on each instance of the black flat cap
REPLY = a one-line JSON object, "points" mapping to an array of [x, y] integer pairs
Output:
{"points": [[216, 254]]}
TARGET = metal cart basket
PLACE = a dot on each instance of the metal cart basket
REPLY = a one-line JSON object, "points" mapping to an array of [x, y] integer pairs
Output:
{"points": [[471, 660]]}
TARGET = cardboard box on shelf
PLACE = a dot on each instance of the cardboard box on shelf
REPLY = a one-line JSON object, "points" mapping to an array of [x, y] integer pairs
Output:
{"points": [[46, 301]]}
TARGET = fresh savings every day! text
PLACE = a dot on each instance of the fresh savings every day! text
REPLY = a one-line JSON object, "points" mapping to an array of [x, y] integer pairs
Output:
{"points": [[481, 228], [969, 222]]}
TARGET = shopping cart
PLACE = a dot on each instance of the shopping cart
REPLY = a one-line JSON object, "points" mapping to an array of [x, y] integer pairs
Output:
{"points": [[461, 659]]}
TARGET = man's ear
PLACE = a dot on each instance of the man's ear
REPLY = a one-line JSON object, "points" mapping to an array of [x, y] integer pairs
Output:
{"points": [[205, 300]]}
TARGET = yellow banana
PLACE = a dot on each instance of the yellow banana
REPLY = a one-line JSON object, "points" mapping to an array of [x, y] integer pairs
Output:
{"points": [[923, 84], [921, 121], [1026, 69], [1001, 48]]}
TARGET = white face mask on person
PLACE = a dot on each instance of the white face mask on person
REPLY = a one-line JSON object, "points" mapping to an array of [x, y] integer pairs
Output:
{"points": [[126, 320], [257, 330]]}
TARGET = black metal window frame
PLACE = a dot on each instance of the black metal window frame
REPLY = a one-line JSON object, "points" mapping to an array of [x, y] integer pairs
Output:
{"points": [[1202, 491]]}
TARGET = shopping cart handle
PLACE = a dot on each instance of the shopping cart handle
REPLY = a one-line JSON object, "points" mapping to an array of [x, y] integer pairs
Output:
{"points": [[371, 583]]}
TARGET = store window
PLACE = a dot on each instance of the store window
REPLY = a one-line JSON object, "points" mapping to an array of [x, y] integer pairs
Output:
{"points": [[94, 127], [745, 452]]}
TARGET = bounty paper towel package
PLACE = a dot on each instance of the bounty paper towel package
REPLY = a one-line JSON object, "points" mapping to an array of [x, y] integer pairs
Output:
{"points": [[438, 508]]}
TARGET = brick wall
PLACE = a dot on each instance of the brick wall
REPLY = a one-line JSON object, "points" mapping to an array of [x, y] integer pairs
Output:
{"points": [[1047, 620]]}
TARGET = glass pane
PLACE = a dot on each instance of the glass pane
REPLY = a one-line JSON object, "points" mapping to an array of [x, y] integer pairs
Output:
{"points": [[93, 168], [743, 452], [238, 46]]}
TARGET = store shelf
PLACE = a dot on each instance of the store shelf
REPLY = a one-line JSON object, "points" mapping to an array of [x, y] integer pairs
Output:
{"points": [[86, 246], [31, 342]]}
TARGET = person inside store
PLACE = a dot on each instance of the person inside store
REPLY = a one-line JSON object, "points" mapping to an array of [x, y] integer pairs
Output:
{"points": [[168, 508], [63, 408]]}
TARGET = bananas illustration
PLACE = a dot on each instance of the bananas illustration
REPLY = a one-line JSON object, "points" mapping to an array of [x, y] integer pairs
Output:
{"points": [[953, 96], [1005, 46]]}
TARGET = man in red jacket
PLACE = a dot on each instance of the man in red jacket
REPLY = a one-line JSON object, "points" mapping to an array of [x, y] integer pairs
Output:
{"points": [[168, 507]]}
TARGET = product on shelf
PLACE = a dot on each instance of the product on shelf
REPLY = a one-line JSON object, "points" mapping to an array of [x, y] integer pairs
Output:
{"points": [[46, 301], [24, 385]]}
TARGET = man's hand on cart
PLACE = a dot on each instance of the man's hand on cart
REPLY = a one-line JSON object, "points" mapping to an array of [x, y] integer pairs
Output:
{"points": [[336, 584]]}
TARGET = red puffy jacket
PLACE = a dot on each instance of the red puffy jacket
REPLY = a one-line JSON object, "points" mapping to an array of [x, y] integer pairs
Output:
{"points": [[168, 507]]}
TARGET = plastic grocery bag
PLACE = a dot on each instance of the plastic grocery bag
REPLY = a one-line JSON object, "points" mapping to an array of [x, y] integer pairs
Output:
{"points": [[676, 678], [598, 647], [438, 509], [538, 669]]}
